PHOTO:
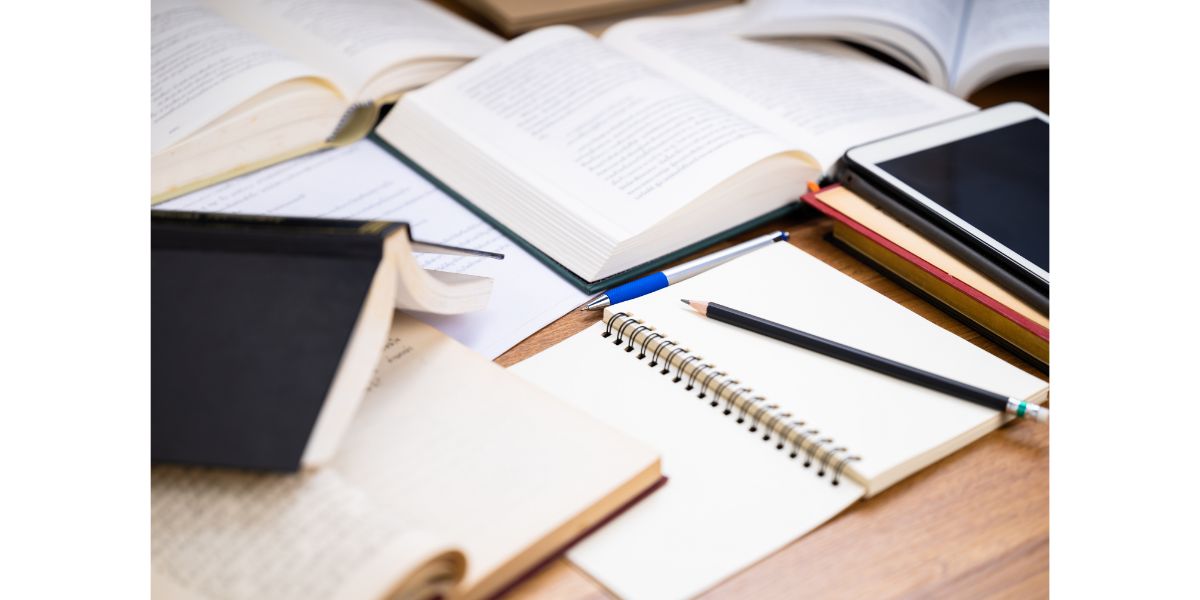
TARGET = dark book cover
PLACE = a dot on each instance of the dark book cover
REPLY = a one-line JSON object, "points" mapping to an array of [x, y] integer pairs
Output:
{"points": [[249, 320]]}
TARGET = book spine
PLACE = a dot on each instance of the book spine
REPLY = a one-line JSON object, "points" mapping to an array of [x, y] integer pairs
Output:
{"points": [[991, 325], [991, 303], [801, 441]]}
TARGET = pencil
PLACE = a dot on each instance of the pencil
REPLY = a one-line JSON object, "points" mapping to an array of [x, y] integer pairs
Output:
{"points": [[874, 362]]}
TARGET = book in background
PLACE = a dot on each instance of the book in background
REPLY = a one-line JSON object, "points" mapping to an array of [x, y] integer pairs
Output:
{"points": [[611, 157], [240, 84], [512, 17], [455, 479], [228, 291], [936, 275], [959, 46]]}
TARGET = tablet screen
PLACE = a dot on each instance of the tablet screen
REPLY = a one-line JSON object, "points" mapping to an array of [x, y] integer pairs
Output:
{"points": [[998, 181]]}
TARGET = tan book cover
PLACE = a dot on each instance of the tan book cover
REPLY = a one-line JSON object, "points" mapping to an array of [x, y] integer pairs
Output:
{"points": [[518, 16]]}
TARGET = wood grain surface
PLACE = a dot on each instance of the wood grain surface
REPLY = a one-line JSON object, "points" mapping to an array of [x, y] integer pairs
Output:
{"points": [[974, 525]]}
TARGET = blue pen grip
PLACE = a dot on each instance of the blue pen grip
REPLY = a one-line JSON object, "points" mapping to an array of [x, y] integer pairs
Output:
{"points": [[639, 287]]}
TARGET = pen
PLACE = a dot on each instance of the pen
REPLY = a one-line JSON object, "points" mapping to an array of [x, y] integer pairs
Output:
{"points": [[662, 279], [874, 362]]}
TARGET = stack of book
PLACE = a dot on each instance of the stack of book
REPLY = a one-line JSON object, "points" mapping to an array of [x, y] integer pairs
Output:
{"points": [[934, 274]]}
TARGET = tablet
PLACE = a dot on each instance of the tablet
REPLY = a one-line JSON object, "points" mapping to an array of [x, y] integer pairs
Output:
{"points": [[982, 180]]}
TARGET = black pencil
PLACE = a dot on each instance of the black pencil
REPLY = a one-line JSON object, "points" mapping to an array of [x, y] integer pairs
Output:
{"points": [[887, 366]]}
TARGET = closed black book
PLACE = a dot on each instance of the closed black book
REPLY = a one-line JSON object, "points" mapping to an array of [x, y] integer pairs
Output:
{"points": [[265, 331]]}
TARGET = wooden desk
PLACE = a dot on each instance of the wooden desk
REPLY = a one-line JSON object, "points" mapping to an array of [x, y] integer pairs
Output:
{"points": [[975, 525]]}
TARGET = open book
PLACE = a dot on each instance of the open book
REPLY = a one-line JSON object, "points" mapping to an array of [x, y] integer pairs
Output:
{"points": [[762, 441], [456, 479], [239, 84], [228, 290], [608, 154], [957, 45]]}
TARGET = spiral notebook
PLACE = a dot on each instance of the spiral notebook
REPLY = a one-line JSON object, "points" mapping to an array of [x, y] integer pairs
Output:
{"points": [[761, 441]]}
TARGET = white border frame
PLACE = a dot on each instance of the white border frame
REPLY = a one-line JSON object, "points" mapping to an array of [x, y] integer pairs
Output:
{"points": [[869, 155]]}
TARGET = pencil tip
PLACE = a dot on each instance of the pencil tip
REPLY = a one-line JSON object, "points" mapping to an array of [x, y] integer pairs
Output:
{"points": [[684, 301]]}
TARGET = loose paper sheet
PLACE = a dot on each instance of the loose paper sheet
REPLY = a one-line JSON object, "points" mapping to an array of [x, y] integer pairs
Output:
{"points": [[362, 181]]}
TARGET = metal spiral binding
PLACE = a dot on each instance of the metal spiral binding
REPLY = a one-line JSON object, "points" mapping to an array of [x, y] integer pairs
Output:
{"points": [[759, 415]]}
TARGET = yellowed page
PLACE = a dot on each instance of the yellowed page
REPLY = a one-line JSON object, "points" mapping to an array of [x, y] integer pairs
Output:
{"points": [[225, 534], [203, 65], [445, 442]]}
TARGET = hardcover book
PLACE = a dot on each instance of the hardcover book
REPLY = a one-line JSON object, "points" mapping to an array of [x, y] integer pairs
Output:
{"points": [[936, 275], [227, 292], [607, 155]]}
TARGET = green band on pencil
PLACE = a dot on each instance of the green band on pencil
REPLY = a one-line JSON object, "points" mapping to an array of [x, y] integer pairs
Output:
{"points": [[1021, 410]]}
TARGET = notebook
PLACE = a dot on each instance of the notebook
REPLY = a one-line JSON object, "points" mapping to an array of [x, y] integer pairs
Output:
{"points": [[738, 485], [929, 271], [455, 479]]}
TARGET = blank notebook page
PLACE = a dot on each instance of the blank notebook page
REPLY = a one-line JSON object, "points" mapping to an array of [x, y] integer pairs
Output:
{"points": [[732, 498]]}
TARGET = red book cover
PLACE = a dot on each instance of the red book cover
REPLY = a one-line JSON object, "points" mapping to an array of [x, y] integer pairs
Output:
{"points": [[1012, 315]]}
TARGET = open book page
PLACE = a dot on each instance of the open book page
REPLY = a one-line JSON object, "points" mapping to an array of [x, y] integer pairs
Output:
{"points": [[730, 500], [821, 96], [202, 65], [934, 23], [226, 535], [444, 443], [1002, 37], [472, 452], [362, 181], [353, 41], [599, 134]]}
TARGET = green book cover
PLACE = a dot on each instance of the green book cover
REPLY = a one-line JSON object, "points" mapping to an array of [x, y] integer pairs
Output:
{"points": [[600, 285]]}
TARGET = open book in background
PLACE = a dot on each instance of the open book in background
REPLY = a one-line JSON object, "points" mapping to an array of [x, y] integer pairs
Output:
{"points": [[610, 155], [227, 291], [456, 478], [240, 84], [957, 45], [754, 432]]}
